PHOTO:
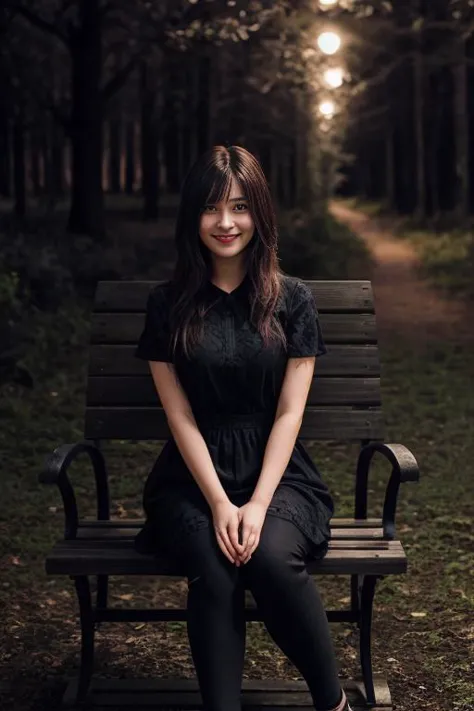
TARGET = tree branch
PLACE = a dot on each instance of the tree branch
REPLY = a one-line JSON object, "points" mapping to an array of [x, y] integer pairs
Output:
{"points": [[42, 24]]}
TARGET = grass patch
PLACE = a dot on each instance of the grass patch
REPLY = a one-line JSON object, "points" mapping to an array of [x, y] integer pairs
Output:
{"points": [[447, 258], [319, 247]]}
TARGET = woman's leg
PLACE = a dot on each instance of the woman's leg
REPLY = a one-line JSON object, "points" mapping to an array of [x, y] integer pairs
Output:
{"points": [[216, 621], [292, 610]]}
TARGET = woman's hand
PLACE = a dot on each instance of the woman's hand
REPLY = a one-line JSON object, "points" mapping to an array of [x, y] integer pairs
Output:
{"points": [[252, 516], [226, 525]]}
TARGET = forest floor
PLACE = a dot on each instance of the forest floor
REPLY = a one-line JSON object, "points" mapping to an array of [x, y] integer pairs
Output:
{"points": [[423, 631]]}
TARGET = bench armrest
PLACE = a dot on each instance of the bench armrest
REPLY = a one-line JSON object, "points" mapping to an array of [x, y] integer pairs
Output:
{"points": [[404, 468], [55, 472]]}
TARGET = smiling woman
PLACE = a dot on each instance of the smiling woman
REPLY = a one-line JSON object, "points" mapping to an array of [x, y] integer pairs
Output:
{"points": [[232, 341]]}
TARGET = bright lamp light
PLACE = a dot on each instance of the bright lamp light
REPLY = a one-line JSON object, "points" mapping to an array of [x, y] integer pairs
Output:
{"points": [[329, 42], [328, 2], [334, 77], [327, 108]]}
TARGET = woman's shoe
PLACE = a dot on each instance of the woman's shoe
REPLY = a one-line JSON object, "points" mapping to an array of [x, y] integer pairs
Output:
{"points": [[347, 706]]}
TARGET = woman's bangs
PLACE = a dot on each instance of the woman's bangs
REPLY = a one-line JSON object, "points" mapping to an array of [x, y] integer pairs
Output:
{"points": [[218, 187]]}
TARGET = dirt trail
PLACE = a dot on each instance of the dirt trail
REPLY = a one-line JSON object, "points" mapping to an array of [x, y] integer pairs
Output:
{"points": [[406, 305]]}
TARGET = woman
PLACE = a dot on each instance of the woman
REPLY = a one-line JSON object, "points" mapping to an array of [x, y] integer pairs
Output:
{"points": [[231, 343]]}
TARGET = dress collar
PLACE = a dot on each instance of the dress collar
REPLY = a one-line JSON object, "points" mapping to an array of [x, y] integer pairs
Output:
{"points": [[239, 290]]}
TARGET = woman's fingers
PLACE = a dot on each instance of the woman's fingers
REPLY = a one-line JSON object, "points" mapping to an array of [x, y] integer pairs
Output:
{"points": [[226, 546], [233, 534], [253, 543], [247, 551]]}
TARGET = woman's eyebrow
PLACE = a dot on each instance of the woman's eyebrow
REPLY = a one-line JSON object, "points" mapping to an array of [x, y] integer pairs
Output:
{"points": [[237, 199]]}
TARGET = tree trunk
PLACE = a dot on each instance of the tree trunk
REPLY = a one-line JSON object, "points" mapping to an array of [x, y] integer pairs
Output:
{"points": [[389, 167], [36, 156], [149, 144], [203, 117], [19, 173], [57, 162], [114, 155], [437, 101], [46, 163], [5, 157], [190, 148], [130, 157], [419, 137], [170, 132], [87, 207], [461, 118]]}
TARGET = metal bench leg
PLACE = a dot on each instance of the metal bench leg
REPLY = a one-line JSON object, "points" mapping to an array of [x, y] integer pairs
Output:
{"points": [[102, 593], [355, 594], [366, 605], [87, 632]]}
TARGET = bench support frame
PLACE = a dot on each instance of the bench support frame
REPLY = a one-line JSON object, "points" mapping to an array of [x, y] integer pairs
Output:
{"points": [[91, 616], [87, 616], [362, 587]]}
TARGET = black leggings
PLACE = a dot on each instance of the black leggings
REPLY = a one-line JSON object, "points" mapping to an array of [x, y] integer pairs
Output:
{"points": [[287, 598]]}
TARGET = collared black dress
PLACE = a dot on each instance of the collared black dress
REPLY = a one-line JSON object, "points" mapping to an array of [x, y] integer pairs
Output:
{"points": [[233, 386]]}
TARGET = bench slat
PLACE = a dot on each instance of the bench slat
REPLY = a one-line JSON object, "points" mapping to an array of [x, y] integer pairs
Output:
{"points": [[341, 534], [341, 360], [77, 558], [337, 328], [150, 423], [138, 523], [125, 543], [140, 390], [331, 296]]}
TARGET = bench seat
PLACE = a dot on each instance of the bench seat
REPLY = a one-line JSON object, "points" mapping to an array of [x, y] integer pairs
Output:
{"points": [[106, 548]]}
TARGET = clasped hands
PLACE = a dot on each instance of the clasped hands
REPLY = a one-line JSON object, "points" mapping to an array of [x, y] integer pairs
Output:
{"points": [[228, 519]]}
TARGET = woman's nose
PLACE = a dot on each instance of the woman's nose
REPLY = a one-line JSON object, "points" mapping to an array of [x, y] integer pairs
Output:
{"points": [[225, 220]]}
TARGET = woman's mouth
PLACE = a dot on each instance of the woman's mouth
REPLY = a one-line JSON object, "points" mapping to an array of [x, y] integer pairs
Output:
{"points": [[226, 238]]}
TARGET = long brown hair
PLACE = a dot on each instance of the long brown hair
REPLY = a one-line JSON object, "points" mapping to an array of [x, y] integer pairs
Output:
{"points": [[209, 181]]}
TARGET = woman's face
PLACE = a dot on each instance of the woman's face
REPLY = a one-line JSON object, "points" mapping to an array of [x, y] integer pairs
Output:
{"points": [[227, 219]]}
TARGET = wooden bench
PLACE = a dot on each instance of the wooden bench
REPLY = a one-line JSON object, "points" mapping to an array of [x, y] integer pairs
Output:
{"points": [[343, 404]]}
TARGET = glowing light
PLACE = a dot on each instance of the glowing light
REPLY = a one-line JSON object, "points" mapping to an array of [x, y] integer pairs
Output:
{"points": [[334, 77], [329, 42], [328, 2], [327, 108]]}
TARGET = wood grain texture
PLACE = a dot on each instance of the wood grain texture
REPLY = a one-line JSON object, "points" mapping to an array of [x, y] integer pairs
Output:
{"points": [[150, 423], [349, 296]]}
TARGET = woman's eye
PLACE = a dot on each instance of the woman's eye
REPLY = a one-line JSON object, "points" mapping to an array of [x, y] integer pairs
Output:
{"points": [[210, 208]]}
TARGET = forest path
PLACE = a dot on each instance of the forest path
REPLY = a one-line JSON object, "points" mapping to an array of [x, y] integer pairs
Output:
{"points": [[407, 305]]}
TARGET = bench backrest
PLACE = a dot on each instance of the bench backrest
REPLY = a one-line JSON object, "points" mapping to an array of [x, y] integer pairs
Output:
{"points": [[343, 403]]}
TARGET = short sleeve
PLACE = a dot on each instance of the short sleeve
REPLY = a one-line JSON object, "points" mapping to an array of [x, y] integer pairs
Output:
{"points": [[154, 342], [304, 335]]}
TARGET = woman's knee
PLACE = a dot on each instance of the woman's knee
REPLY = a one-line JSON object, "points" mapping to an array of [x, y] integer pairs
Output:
{"points": [[282, 547], [205, 564]]}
